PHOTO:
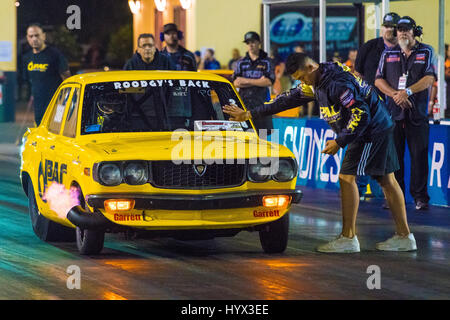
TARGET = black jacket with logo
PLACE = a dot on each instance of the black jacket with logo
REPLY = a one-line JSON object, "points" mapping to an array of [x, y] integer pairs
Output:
{"points": [[352, 108]]}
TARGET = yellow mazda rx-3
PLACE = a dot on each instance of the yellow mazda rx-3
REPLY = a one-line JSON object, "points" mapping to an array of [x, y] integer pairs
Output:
{"points": [[152, 152]]}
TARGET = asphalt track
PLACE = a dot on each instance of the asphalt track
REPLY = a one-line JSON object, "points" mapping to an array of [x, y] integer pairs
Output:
{"points": [[226, 268]]}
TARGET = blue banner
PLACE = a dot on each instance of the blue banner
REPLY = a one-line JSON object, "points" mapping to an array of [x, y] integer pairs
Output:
{"points": [[306, 138]]}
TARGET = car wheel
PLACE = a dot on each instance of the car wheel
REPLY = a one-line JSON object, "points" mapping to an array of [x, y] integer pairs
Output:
{"points": [[44, 228], [274, 235], [89, 242]]}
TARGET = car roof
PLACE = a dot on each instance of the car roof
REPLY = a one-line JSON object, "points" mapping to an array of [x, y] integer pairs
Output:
{"points": [[109, 76]]}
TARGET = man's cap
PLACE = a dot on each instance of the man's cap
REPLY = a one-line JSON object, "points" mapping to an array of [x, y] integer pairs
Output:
{"points": [[251, 35], [406, 22], [391, 19], [170, 27]]}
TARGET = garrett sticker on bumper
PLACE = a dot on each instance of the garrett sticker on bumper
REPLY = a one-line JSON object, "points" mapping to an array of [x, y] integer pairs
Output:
{"points": [[127, 217], [265, 214]]}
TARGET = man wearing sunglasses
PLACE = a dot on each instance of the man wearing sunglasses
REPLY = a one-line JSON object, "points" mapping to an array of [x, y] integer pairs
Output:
{"points": [[405, 74], [147, 57]]}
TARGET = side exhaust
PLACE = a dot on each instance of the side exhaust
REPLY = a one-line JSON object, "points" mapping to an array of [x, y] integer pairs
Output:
{"points": [[87, 220]]}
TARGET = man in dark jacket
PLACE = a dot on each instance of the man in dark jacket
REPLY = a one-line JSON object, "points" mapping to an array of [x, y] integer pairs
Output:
{"points": [[369, 54], [147, 57], [360, 120], [183, 59]]}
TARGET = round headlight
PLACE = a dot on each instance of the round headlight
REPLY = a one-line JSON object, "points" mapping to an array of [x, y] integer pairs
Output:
{"points": [[286, 170], [135, 173], [110, 174], [258, 172]]}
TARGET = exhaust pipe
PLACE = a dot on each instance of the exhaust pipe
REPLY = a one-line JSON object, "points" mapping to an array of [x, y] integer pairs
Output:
{"points": [[87, 220]]}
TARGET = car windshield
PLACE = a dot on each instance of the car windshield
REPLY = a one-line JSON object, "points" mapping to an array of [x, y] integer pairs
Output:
{"points": [[158, 105]]}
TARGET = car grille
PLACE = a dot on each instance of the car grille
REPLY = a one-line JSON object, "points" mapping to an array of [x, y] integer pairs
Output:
{"points": [[166, 174]]}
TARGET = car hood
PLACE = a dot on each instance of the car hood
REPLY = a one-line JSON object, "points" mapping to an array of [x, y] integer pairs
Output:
{"points": [[183, 146]]}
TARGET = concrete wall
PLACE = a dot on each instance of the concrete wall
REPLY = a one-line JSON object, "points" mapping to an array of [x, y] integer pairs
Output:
{"points": [[221, 25]]}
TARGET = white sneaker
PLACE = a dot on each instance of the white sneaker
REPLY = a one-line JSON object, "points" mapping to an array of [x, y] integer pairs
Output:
{"points": [[341, 245], [398, 243]]}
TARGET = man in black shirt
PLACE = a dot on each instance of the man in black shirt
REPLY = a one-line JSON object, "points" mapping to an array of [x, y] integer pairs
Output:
{"points": [[182, 59], [404, 75], [254, 74], [147, 57], [45, 68]]}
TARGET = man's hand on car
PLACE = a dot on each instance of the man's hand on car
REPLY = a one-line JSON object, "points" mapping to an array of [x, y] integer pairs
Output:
{"points": [[236, 113]]}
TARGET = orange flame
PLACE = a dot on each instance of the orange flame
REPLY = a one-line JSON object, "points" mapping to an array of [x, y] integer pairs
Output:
{"points": [[60, 199]]}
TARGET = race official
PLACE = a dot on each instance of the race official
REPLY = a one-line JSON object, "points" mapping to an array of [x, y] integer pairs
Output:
{"points": [[45, 68], [357, 115], [405, 74], [254, 74], [147, 57], [182, 58]]}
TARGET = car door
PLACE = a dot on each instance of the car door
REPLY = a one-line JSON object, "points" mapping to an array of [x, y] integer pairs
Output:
{"points": [[49, 168], [69, 152]]}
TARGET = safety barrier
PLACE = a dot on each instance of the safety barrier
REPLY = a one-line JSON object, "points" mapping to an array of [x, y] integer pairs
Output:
{"points": [[306, 138]]}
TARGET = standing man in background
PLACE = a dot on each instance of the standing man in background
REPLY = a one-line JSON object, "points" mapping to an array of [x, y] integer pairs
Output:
{"points": [[253, 76], [366, 65], [147, 57], [45, 68], [405, 75], [369, 54], [182, 59]]}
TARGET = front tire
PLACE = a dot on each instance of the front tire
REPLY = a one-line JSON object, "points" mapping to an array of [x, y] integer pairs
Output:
{"points": [[44, 228], [90, 242], [274, 236]]}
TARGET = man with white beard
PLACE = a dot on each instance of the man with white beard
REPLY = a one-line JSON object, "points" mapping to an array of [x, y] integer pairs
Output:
{"points": [[404, 75]]}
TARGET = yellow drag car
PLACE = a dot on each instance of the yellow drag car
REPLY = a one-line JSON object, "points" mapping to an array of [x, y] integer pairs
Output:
{"points": [[152, 152]]}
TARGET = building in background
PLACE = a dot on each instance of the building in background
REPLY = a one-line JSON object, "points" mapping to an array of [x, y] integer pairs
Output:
{"points": [[8, 59]]}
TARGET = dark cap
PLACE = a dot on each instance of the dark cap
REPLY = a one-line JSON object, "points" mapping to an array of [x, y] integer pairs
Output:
{"points": [[251, 35], [170, 27], [391, 19], [406, 23]]}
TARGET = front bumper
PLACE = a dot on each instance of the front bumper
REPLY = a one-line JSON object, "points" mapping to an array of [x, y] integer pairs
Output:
{"points": [[230, 200]]}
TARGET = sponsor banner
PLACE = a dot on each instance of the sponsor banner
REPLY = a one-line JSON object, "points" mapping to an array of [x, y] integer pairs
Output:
{"points": [[306, 138]]}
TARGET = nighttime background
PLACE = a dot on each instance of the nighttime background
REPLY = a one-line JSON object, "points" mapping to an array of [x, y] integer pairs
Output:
{"points": [[105, 24]]}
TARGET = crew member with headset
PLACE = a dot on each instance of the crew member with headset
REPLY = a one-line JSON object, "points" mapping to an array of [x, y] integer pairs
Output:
{"points": [[182, 58], [405, 74]]}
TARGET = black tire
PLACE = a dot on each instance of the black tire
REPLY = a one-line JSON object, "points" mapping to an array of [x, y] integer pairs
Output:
{"points": [[90, 242], [44, 228], [274, 235]]}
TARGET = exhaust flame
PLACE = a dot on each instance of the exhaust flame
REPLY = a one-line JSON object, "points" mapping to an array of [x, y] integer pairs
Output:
{"points": [[60, 199]]}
